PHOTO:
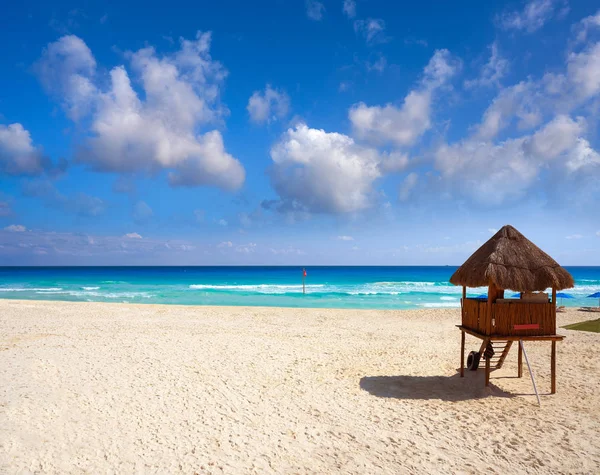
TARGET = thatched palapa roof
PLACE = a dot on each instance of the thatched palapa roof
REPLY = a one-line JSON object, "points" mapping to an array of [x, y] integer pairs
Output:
{"points": [[511, 261]]}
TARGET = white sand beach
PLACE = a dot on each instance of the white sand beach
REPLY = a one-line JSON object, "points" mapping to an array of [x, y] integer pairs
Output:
{"points": [[117, 388]]}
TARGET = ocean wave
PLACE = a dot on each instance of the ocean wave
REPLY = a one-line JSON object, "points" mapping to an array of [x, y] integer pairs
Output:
{"points": [[90, 288], [258, 288], [89, 293], [448, 298], [29, 289]]}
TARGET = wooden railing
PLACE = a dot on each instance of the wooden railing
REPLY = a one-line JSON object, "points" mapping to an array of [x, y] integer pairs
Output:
{"points": [[510, 318]]}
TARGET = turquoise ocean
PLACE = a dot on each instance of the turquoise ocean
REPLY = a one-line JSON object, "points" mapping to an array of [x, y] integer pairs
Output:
{"points": [[326, 287]]}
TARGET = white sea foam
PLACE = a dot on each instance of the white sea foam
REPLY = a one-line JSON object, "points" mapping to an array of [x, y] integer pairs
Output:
{"points": [[448, 298], [258, 288], [90, 288], [30, 289], [90, 293]]}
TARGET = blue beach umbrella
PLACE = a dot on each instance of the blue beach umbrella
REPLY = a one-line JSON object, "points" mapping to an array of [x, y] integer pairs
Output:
{"points": [[595, 296], [562, 296]]}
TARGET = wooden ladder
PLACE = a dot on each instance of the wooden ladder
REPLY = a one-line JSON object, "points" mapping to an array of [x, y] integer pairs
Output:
{"points": [[501, 349]]}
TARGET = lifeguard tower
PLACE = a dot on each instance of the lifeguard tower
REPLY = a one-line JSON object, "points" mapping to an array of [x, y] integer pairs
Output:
{"points": [[509, 261]]}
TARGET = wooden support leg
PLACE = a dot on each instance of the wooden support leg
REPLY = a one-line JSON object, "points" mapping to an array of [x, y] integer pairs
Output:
{"points": [[553, 368], [487, 371], [520, 362], [462, 354]]}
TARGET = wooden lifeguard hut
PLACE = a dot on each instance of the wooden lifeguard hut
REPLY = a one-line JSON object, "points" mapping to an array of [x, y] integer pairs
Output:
{"points": [[509, 261]]}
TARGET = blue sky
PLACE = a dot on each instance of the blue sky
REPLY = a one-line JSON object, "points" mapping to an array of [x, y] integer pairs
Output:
{"points": [[297, 132]]}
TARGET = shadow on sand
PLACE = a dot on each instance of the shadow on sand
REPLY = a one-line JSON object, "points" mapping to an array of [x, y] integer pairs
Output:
{"points": [[445, 388]]}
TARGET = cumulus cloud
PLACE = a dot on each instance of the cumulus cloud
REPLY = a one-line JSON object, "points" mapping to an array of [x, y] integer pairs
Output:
{"points": [[527, 102], [494, 173], [132, 236], [491, 73], [15, 228], [156, 130], [404, 125], [326, 172], [521, 102], [533, 16], [584, 71], [372, 30], [269, 105], [585, 26], [314, 10], [349, 8], [66, 70], [582, 157], [18, 155], [345, 238], [225, 244]]}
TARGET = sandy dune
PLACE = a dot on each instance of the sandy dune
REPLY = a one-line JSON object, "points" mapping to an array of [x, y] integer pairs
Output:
{"points": [[111, 388]]}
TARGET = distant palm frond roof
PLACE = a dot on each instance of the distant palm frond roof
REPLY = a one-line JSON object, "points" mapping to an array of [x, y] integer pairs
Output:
{"points": [[511, 261]]}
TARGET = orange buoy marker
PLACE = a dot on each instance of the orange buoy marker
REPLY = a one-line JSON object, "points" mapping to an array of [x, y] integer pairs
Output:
{"points": [[303, 280]]}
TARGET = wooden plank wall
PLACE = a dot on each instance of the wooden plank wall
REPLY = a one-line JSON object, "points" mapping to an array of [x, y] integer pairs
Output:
{"points": [[507, 315]]}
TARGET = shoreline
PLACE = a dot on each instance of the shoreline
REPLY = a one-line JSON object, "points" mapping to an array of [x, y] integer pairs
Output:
{"points": [[86, 386]]}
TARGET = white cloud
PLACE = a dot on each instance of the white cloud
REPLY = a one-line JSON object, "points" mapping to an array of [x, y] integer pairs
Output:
{"points": [[66, 70], [268, 105], [520, 101], [225, 244], [598, 233], [492, 230], [494, 70], [406, 124], [327, 172], [372, 29], [556, 137], [345, 238], [132, 236], [314, 10], [574, 236], [582, 157], [222, 222], [246, 248], [407, 186], [15, 228], [583, 70], [535, 14], [584, 26], [379, 65], [154, 132], [349, 8], [492, 174], [18, 156]]}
